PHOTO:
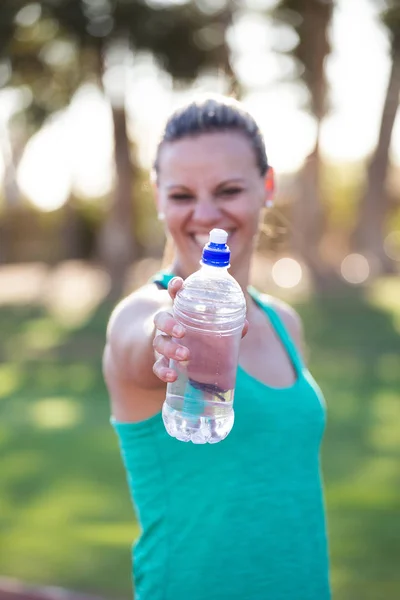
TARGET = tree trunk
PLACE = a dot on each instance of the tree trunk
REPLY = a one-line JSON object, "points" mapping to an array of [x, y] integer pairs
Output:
{"points": [[71, 233], [12, 151], [368, 236], [308, 211], [307, 221], [117, 247], [116, 244]]}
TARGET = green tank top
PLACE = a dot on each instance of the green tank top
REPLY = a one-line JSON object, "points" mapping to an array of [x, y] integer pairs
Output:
{"points": [[242, 519]]}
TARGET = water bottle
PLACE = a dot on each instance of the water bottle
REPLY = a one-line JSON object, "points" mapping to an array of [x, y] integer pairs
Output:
{"points": [[212, 308]]}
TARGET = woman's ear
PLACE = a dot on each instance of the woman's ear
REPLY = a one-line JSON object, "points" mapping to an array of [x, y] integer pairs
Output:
{"points": [[269, 183]]}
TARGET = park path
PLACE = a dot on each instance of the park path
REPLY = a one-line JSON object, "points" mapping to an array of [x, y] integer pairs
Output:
{"points": [[11, 589], [71, 289]]}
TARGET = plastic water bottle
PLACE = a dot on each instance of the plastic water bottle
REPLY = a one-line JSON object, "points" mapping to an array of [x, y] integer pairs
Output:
{"points": [[212, 308]]}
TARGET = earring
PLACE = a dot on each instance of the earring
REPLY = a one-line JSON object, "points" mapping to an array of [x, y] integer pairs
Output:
{"points": [[161, 216], [270, 187]]}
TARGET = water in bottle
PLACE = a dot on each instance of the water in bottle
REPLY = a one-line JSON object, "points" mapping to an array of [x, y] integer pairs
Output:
{"points": [[212, 308]]}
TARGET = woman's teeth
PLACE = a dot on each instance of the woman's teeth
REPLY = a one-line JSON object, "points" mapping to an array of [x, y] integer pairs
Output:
{"points": [[202, 239]]}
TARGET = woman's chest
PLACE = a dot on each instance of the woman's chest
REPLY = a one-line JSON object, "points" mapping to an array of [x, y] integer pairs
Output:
{"points": [[264, 356]]}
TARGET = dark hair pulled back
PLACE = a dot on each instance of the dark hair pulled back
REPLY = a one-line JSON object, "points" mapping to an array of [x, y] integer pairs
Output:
{"points": [[213, 114]]}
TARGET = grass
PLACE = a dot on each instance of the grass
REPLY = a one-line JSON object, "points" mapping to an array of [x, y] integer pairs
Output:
{"points": [[66, 518], [355, 355]]}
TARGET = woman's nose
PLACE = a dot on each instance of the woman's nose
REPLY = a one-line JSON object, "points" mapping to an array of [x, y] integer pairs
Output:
{"points": [[206, 212]]}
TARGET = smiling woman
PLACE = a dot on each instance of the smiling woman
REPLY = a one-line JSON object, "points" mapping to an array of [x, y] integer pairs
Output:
{"points": [[214, 183], [243, 518]]}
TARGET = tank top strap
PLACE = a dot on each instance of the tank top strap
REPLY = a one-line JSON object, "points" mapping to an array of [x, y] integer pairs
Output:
{"points": [[280, 329], [162, 278]]}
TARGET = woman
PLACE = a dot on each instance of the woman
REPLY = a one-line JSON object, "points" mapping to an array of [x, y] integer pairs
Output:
{"points": [[242, 519]]}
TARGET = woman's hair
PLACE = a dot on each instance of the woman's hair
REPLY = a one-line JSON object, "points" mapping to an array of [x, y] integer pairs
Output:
{"points": [[213, 114]]}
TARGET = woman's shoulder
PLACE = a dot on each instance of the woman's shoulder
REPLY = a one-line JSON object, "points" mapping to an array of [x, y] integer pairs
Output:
{"points": [[138, 305], [289, 317]]}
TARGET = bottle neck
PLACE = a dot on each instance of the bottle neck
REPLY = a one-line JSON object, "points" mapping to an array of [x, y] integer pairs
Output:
{"points": [[213, 271]]}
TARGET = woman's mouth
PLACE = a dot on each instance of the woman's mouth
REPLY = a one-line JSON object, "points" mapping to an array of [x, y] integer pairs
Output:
{"points": [[201, 239]]}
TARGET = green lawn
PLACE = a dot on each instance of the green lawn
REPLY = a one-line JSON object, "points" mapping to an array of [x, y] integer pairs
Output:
{"points": [[65, 516]]}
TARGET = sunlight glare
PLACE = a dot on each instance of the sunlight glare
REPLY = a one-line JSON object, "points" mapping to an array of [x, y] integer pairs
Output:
{"points": [[13, 100], [72, 152], [44, 174], [28, 15], [288, 131], [355, 269], [357, 71], [148, 104], [392, 245], [2, 168], [90, 141], [287, 273]]}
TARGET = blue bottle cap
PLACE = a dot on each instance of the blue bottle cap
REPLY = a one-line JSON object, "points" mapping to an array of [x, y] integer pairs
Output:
{"points": [[216, 253]]}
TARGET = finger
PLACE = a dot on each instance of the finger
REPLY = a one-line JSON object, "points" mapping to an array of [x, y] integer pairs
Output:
{"points": [[174, 286], [166, 323], [245, 328], [162, 370], [164, 345]]}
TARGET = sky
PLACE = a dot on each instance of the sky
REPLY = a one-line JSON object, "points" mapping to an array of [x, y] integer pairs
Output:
{"points": [[75, 150]]}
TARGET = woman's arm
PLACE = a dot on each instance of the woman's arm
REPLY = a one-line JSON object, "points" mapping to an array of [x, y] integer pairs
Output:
{"points": [[134, 374]]}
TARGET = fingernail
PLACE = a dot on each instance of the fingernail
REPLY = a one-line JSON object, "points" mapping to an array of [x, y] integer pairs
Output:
{"points": [[169, 375], [181, 353], [178, 330]]}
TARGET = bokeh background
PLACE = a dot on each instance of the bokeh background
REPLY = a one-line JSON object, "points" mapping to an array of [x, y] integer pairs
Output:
{"points": [[85, 88]]}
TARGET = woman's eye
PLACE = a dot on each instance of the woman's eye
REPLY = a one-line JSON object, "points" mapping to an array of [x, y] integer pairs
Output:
{"points": [[181, 197], [231, 191]]}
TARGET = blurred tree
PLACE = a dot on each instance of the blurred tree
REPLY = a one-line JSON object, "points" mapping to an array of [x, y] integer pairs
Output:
{"points": [[50, 48], [183, 38], [7, 27], [368, 236], [40, 68], [12, 139], [310, 20]]}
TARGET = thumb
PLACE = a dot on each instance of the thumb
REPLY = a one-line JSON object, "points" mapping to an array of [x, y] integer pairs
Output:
{"points": [[174, 286]]}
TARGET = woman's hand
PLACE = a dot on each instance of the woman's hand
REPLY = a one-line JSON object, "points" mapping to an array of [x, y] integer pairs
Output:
{"points": [[164, 346]]}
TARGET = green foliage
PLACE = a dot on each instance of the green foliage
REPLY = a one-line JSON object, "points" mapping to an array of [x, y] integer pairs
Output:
{"points": [[66, 518], [28, 46], [52, 47], [182, 37], [390, 16]]}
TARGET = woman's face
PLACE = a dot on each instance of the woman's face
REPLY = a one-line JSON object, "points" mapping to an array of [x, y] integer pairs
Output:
{"points": [[211, 180]]}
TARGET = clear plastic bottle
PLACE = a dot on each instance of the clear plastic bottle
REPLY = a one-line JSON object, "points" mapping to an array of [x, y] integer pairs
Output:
{"points": [[212, 308]]}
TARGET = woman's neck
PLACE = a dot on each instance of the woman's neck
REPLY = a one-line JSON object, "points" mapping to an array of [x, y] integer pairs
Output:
{"points": [[241, 272]]}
